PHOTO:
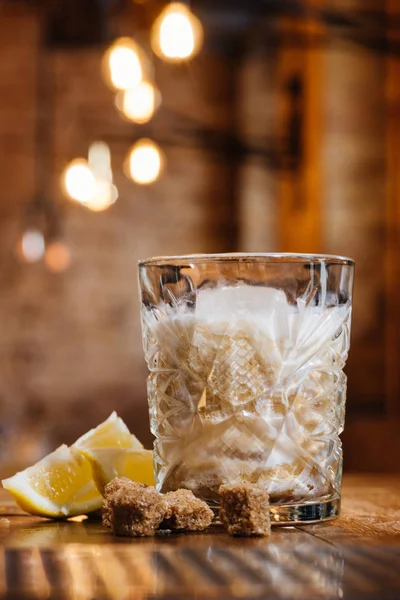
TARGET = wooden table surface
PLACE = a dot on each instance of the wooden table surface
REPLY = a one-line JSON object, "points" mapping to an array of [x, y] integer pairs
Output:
{"points": [[355, 557]]}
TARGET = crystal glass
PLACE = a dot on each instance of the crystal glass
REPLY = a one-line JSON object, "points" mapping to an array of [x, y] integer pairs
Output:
{"points": [[246, 355]]}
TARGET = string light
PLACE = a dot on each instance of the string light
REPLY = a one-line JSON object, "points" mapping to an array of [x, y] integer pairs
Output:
{"points": [[122, 66], [57, 257], [177, 34], [144, 162], [31, 247], [78, 181], [139, 103]]}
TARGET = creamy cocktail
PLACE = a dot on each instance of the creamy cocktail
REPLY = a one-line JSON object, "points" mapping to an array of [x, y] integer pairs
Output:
{"points": [[246, 381]]}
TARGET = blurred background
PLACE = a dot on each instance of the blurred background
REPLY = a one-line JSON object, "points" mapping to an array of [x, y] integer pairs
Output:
{"points": [[136, 128]]}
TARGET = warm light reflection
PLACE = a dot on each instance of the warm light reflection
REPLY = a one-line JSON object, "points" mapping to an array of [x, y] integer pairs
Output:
{"points": [[139, 104], [79, 181], [144, 162], [122, 65], [32, 245], [78, 519], [177, 35], [57, 257]]}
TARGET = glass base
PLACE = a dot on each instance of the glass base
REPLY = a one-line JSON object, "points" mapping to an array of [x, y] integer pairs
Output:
{"points": [[297, 514], [302, 514]]}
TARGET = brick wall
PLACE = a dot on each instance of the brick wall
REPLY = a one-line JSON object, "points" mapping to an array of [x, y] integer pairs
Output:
{"points": [[70, 343]]}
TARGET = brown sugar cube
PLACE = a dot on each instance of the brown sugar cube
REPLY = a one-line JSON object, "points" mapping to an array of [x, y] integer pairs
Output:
{"points": [[131, 508], [244, 510], [185, 511]]}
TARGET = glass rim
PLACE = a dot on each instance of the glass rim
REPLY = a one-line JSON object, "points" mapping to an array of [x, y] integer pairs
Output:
{"points": [[247, 257]]}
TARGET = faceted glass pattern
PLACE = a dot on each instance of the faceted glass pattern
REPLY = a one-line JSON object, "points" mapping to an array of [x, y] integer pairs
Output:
{"points": [[246, 384]]}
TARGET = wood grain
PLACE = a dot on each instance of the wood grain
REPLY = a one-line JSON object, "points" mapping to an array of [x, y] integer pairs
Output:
{"points": [[357, 556]]}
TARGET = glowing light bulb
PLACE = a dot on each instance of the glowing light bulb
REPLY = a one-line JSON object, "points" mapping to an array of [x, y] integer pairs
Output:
{"points": [[91, 182], [79, 181], [176, 35], [122, 64], [57, 257], [140, 103], [144, 162], [32, 245], [99, 159], [105, 195]]}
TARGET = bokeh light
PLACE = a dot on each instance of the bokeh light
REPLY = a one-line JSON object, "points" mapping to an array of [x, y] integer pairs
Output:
{"points": [[90, 182], [177, 34], [99, 160], [57, 257], [144, 162], [122, 66], [139, 103], [31, 247], [105, 195], [79, 181]]}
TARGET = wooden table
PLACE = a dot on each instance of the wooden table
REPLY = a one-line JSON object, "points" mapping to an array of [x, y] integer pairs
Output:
{"points": [[354, 557]]}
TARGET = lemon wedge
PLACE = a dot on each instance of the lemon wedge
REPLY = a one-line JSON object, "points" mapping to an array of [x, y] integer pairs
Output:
{"points": [[58, 486], [108, 463], [113, 433], [61, 485]]}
